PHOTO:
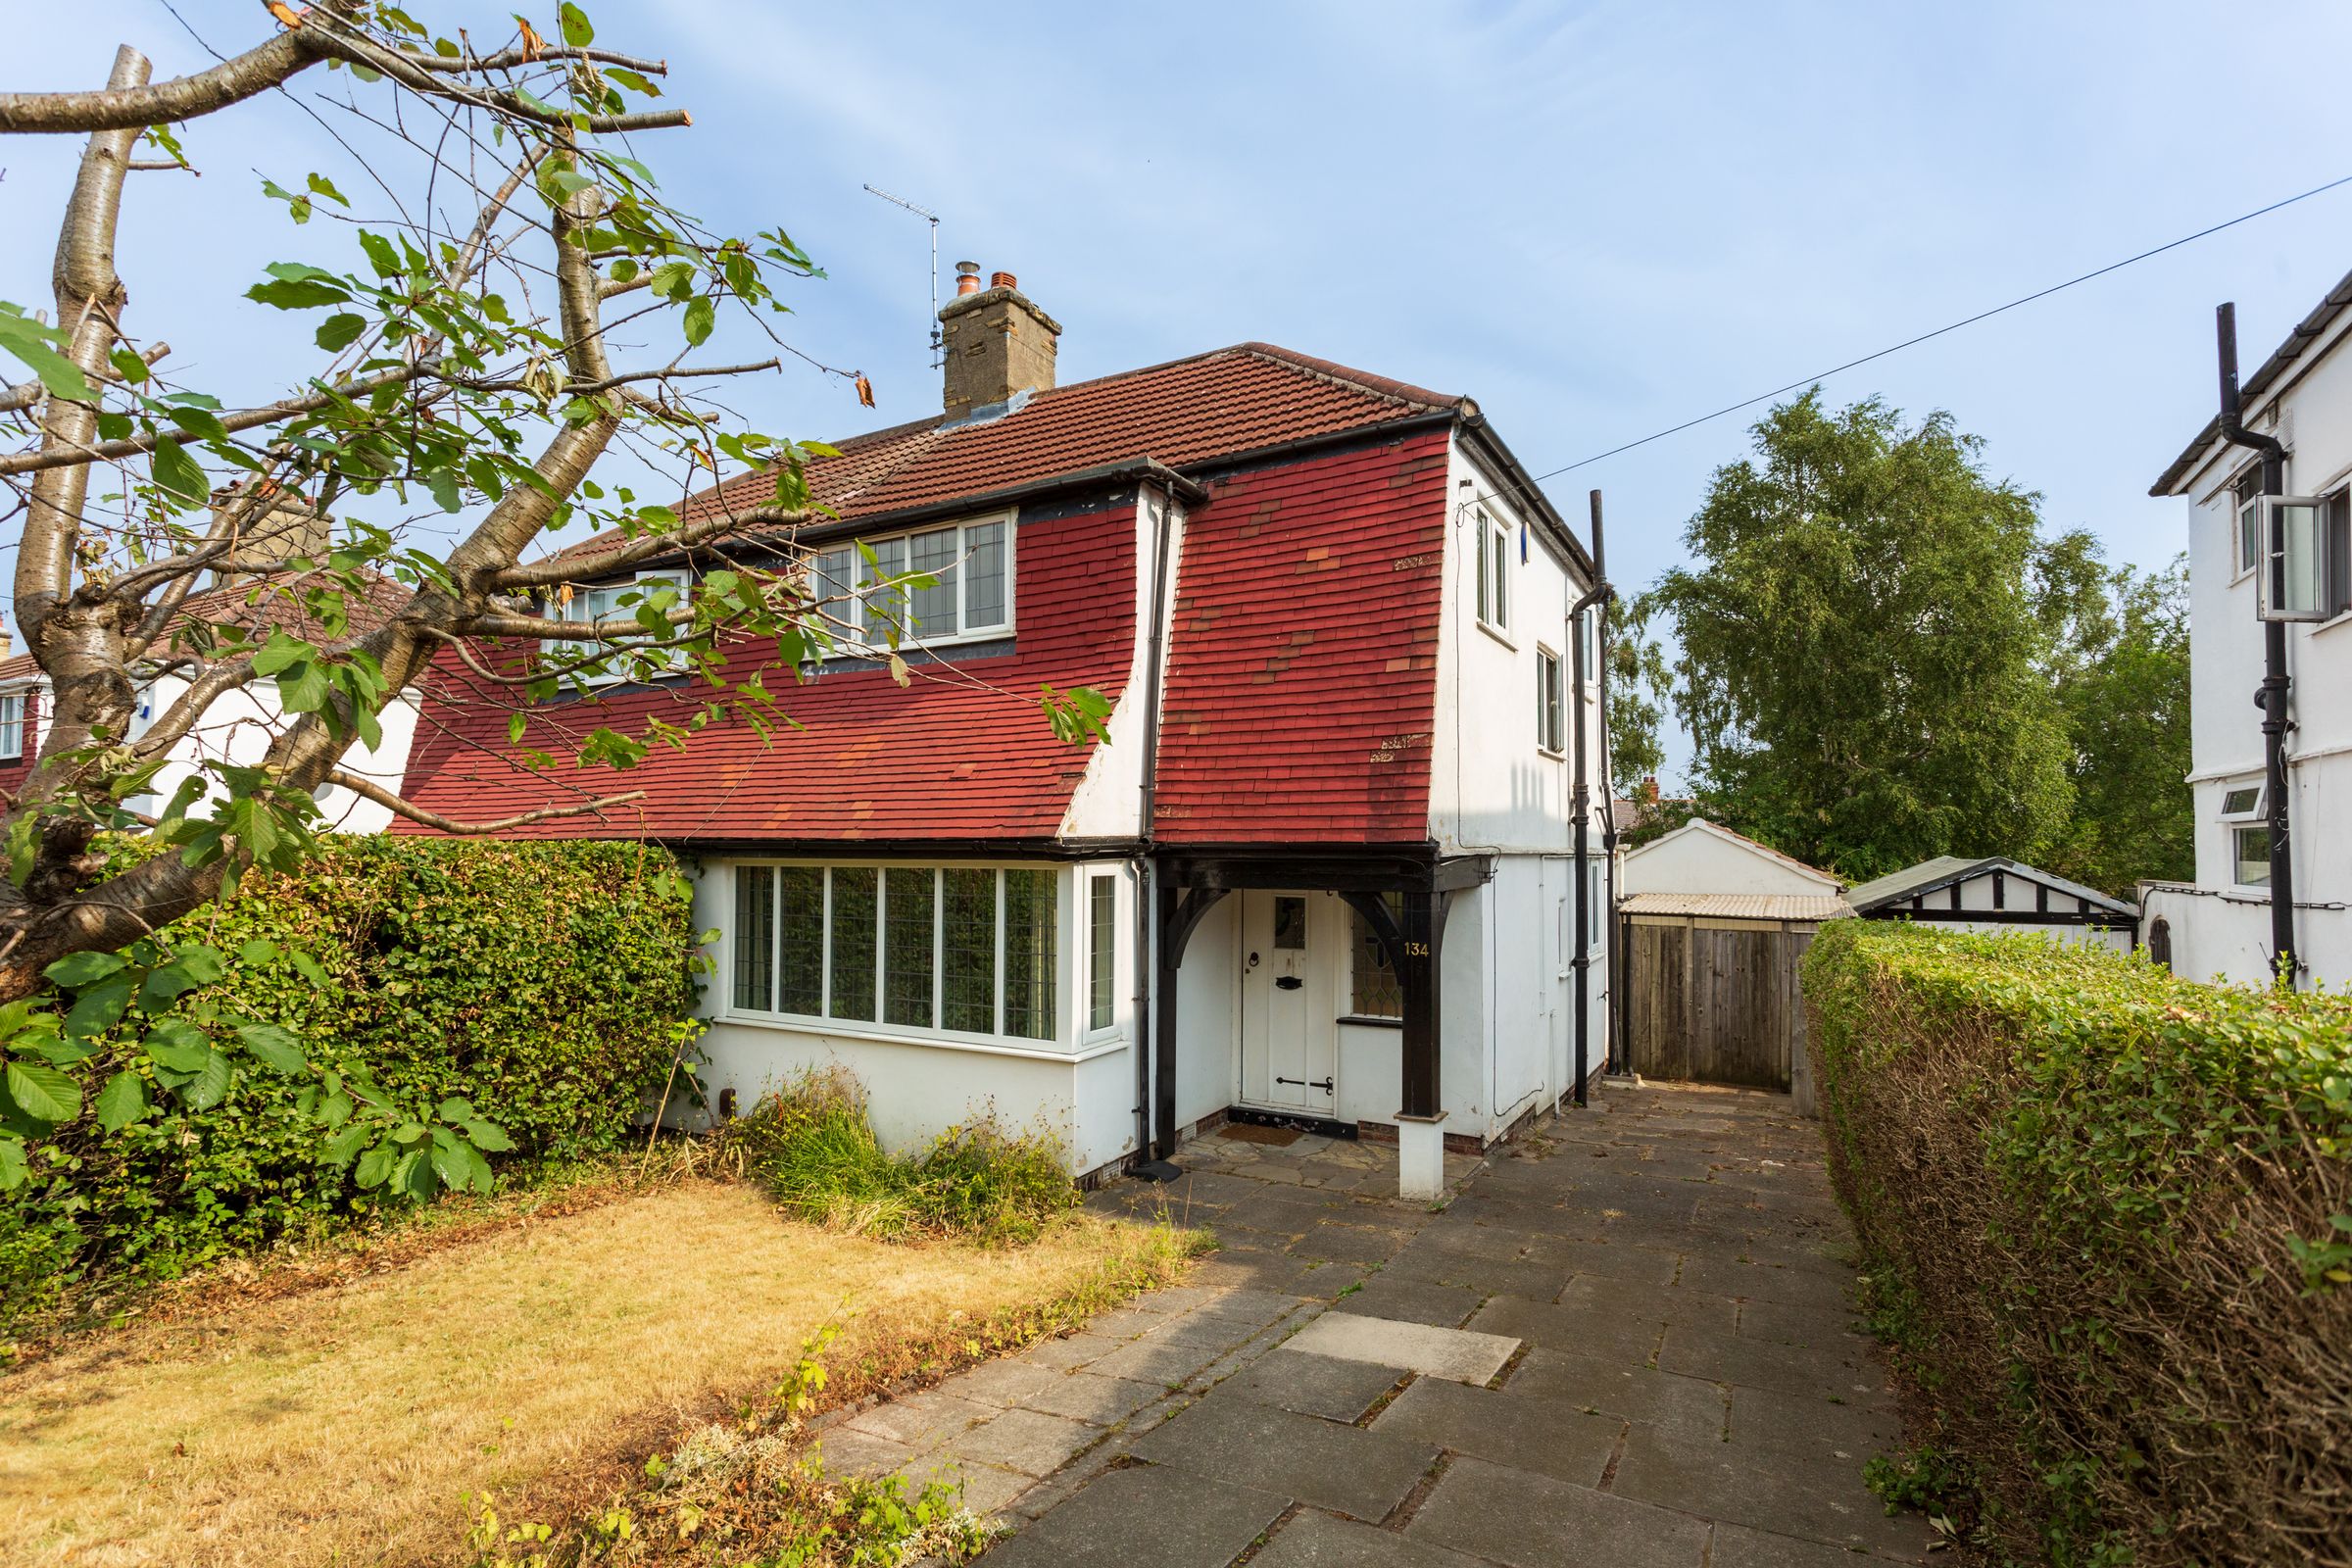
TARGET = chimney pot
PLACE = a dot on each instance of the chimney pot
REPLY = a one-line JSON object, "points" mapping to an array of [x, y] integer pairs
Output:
{"points": [[1003, 281], [967, 278]]}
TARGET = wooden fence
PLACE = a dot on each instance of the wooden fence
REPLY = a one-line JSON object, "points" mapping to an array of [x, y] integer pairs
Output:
{"points": [[1716, 1001]]}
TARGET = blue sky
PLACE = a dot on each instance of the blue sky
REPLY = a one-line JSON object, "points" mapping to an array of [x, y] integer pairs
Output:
{"points": [[1598, 219]]}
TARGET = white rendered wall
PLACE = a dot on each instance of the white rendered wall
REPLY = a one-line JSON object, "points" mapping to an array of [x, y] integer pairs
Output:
{"points": [[1697, 859], [238, 729], [1208, 1014], [2225, 935], [1108, 800]]}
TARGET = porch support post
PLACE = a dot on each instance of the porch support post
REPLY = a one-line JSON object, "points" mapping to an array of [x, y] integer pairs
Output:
{"points": [[1180, 913], [1420, 1131]]}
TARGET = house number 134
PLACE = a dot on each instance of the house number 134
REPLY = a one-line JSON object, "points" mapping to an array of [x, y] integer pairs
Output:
{"points": [[1416, 949]]}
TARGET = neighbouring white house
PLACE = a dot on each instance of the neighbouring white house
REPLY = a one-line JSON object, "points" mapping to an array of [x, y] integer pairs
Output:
{"points": [[237, 728], [2220, 926], [1324, 870], [1998, 893]]}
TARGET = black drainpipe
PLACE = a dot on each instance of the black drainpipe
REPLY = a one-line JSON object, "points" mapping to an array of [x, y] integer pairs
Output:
{"points": [[2272, 695], [1581, 807], [1146, 876]]}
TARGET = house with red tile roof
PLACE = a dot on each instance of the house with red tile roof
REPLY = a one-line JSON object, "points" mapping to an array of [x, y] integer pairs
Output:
{"points": [[1320, 871], [240, 726]]}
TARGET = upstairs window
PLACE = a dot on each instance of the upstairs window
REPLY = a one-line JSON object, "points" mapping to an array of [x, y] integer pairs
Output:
{"points": [[12, 726], [1549, 728], [664, 591], [2339, 552], [877, 602], [2248, 491], [1493, 574]]}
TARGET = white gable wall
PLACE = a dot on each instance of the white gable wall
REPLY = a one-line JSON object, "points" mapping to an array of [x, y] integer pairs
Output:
{"points": [[1699, 857]]}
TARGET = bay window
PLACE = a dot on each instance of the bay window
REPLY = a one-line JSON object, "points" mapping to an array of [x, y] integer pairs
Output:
{"points": [[955, 950], [877, 595]]}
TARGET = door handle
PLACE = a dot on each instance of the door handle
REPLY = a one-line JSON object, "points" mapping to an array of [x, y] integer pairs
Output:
{"points": [[1323, 1084], [1289, 982]]}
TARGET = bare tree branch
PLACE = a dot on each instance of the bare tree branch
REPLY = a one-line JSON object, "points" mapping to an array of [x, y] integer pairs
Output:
{"points": [[574, 569], [369, 788], [133, 105], [28, 394]]}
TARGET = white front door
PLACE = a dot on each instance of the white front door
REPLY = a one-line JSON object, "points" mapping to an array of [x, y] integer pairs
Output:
{"points": [[1290, 1023]]}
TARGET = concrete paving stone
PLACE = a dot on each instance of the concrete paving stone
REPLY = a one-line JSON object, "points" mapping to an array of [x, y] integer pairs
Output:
{"points": [[1492, 1242], [1419, 1260], [1277, 1272], [1242, 1354], [1065, 1351], [1763, 1421], [1031, 1441], [1685, 1407], [1313, 1539], [1090, 1397], [1610, 1296], [1144, 1514], [1310, 1384], [1811, 1325], [1637, 1264], [1005, 1382], [1796, 1287], [847, 1452], [1174, 1298], [1551, 1437], [1459, 1354], [1348, 1243], [1258, 1308], [1737, 1547], [1343, 1468], [1219, 1333], [1125, 1323], [984, 1488], [1615, 1336], [1790, 1494], [1448, 1306], [922, 1420], [1164, 1361], [1533, 1521], [1853, 1374]]}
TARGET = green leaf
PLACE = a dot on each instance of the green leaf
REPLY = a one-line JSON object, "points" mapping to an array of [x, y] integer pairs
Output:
{"points": [[212, 1081], [100, 1006], [177, 1045], [44, 1093], [701, 317], [340, 330], [334, 1110], [178, 473], [12, 1164], [303, 688], [129, 367], [77, 969], [576, 31], [325, 187], [343, 1146], [298, 294], [489, 1136], [122, 1102], [444, 485], [29, 341], [375, 1166], [456, 1110], [275, 1046]]}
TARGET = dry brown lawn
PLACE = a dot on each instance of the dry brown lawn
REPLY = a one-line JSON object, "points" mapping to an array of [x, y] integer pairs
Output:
{"points": [[344, 1425]]}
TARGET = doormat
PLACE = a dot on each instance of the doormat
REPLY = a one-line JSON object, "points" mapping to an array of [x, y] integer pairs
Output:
{"points": [[1242, 1132]]}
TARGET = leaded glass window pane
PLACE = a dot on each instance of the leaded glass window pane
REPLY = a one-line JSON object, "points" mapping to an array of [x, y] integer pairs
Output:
{"points": [[852, 920], [984, 575], [906, 954], [933, 611], [833, 583], [1377, 993], [968, 952], [754, 938], [800, 940], [1102, 949], [1029, 954], [886, 605]]}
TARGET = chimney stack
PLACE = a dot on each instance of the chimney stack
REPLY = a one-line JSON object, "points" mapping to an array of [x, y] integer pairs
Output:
{"points": [[272, 525], [997, 342]]}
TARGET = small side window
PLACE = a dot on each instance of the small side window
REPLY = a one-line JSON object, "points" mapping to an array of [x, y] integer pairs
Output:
{"points": [[1549, 727], [2249, 519]]}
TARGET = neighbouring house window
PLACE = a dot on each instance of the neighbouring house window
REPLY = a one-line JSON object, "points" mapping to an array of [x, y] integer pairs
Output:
{"points": [[1547, 699], [969, 594], [2340, 551], [2253, 857], [968, 950], [1029, 954], [12, 726], [659, 592], [849, 928], [2249, 517], [1102, 949], [1375, 991], [1493, 573], [910, 942], [754, 937]]}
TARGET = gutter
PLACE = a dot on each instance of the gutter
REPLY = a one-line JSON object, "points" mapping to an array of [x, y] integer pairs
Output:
{"points": [[1581, 809], [1154, 1059], [2272, 695]]}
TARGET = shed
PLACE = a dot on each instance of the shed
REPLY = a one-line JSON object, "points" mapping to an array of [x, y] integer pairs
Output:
{"points": [[1713, 926], [1998, 893]]}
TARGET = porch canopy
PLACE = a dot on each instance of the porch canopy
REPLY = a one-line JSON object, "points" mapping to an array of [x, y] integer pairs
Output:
{"points": [[1193, 880]]}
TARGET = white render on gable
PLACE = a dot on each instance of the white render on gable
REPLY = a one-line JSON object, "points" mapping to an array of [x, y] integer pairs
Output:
{"points": [[1703, 858], [2218, 928]]}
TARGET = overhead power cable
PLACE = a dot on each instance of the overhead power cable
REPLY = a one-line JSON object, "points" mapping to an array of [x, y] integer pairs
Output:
{"points": [[1914, 342]]}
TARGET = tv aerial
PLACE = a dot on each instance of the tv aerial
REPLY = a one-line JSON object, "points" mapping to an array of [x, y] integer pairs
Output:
{"points": [[938, 340]]}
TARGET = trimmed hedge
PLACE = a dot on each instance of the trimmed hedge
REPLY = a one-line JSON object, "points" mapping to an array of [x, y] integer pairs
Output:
{"points": [[2106, 1218], [546, 983]]}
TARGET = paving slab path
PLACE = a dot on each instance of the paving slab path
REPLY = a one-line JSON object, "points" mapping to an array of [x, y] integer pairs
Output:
{"points": [[1624, 1340]]}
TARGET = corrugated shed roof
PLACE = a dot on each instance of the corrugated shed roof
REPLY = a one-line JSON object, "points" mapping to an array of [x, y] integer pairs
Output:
{"points": [[1737, 905], [1930, 876]]}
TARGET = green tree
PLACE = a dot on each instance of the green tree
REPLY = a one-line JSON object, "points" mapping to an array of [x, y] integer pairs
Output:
{"points": [[1866, 639], [1638, 681], [2124, 688]]}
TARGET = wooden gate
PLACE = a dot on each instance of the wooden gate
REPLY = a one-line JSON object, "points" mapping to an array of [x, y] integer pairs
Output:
{"points": [[1715, 1001]]}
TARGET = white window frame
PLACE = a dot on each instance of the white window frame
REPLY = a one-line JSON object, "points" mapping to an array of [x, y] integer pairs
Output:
{"points": [[1551, 703], [1069, 1003], [2253, 818], [857, 636], [1088, 878], [579, 610], [2237, 831], [1359, 927], [1492, 602], [12, 726], [2246, 523], [2272, 509]]}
